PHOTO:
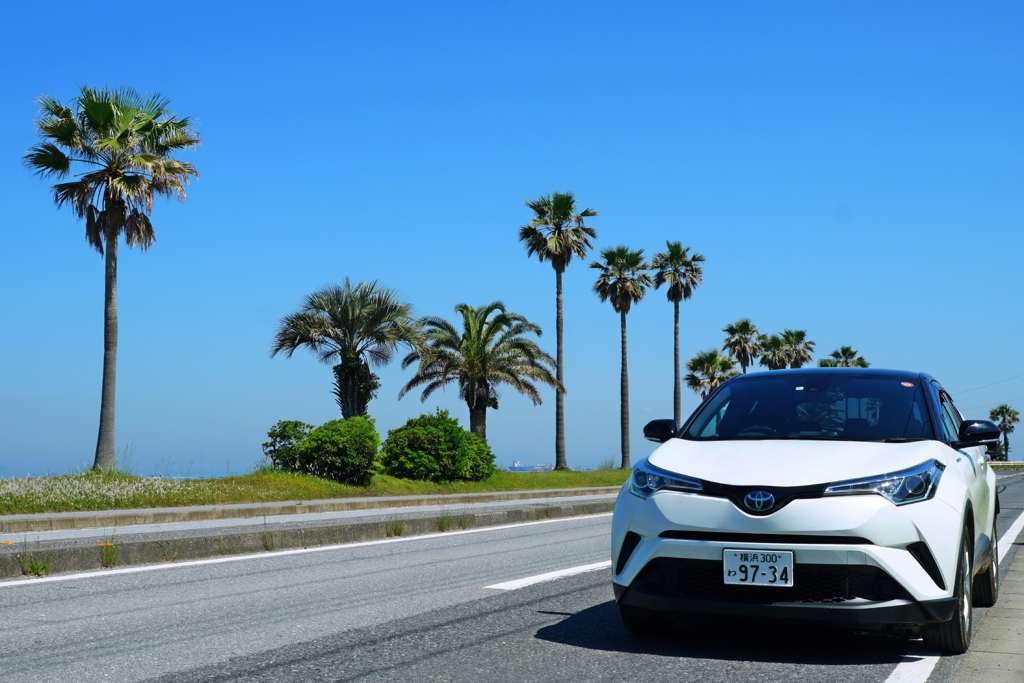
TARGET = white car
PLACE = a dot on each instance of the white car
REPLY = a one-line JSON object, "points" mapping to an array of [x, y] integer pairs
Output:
{"points": [[843, 496]]}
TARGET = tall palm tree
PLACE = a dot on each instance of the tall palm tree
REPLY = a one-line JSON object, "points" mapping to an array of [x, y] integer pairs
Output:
{"points": [[556, 233], [799, 348], [682, 273], [623, 281], [743, 342], [352, 329], [1007, 417], [774, 353], [844, 357], [492, 349], [121, 148], [707, 370]]}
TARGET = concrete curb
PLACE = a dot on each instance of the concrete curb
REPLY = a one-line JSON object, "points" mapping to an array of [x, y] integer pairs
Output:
{"points": [[61, 521], [130, 553]]}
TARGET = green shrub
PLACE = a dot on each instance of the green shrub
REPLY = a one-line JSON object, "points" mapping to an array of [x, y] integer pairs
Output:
{"points": [[436, 448], [281, 449], [341, 450]]}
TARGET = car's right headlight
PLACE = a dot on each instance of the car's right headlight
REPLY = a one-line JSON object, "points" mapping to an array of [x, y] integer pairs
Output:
{"points": [[646, 479], [911, 485]]}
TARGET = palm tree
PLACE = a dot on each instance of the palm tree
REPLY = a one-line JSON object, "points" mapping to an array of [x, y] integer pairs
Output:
{"points": [[844, 357], [491, 350], [707, 370], [556, 233], [743, 343], [351, 329], [623, 281], [774, 353], [1007, 417], [798, 347], [682, 273], [123, 145]]}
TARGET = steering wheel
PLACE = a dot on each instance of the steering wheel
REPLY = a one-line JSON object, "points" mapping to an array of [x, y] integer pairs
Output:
{"points": [[754, 430]]}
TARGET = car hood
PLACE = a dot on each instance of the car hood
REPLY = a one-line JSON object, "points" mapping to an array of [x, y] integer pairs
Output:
{"points": [[790, 463]]}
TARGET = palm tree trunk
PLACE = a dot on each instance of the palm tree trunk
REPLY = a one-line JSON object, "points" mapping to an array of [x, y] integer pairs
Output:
{"points": [[560, 463], [106, 456], [677, 396], [478, 419], [1006, 446], [624, 399]]}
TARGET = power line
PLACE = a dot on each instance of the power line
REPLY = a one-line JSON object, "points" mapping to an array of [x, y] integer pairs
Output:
{"points": [[967, 391], [994, 404]]}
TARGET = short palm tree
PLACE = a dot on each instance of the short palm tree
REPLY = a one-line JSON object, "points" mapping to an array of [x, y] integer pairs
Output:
{"points": [[683, 273], [121, 147], [707, 370], [492, 349], [1006, 417], [774, 353], [351, 329], [556, 234], [844, 357], [798, 347], [623, 281], [743, 342]]}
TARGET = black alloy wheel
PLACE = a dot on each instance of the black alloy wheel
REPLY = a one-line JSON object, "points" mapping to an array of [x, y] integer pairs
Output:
{"points": [[954, 636]]}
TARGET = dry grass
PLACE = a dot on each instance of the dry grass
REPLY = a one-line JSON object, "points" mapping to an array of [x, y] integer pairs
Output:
{"points": [[95, 491]]}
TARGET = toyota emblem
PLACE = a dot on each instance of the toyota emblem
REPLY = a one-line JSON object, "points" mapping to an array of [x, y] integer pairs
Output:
{"points": [[759, 501]]}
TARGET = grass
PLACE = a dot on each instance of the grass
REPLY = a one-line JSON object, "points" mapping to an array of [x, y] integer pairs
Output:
{"points": [[394, 528], [117, 491], [33, 564], [444, 522]]}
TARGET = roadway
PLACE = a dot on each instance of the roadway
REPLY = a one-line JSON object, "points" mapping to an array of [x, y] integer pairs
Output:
{"points": [[417, 608]]}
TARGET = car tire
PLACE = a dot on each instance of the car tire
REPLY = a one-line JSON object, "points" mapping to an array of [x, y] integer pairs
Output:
{"points": [[645, 623], [954, 636], [986, 584]]}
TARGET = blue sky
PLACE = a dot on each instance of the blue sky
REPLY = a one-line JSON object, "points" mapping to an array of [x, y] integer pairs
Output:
{"points": [[854, 170]]}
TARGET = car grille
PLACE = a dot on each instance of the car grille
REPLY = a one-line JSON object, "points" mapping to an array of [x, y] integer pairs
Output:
{"points": [[812, 583]]}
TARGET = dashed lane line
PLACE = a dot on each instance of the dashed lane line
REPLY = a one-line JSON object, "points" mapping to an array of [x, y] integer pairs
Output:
{"points": [[550, 576]]}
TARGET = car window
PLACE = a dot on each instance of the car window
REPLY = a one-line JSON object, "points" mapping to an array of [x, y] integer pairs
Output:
{"points": [[850, 407], [951, 418]]}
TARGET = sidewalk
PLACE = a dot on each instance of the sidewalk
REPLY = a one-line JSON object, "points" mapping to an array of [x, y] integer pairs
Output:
{"points": [[997, 650]]}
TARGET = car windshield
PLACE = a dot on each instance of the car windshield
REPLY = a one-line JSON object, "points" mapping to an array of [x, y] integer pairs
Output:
{"points": [[815, 406]]}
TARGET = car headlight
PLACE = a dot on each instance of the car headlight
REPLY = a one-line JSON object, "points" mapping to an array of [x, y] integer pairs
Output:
{"points": [[906, 486], [646, 479]]}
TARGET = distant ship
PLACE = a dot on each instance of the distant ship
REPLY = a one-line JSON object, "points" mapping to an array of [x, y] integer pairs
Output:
{"points": [[518, 466]]}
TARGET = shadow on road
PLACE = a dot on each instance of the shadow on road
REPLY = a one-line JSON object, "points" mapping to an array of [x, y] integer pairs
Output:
{"points": [[600, 628]]}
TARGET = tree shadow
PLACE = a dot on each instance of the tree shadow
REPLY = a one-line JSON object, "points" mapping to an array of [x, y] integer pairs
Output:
{"points": [[754, 640]]}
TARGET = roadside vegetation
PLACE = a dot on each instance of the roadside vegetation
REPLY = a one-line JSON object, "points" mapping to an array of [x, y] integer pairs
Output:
{"points": [[94, 490]]}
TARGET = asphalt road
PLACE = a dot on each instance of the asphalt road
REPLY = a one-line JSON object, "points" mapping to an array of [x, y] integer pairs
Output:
{"points": [[417, 609]]}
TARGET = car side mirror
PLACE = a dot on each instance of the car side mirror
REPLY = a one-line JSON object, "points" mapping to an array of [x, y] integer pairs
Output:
{"points": [[977, 433], [660, 431]]}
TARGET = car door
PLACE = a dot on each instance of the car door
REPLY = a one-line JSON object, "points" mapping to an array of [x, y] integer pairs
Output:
{"points": [[971, 460]]}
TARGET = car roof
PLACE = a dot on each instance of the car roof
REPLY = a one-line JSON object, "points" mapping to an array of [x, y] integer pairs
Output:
{"points": [[866, 372]]}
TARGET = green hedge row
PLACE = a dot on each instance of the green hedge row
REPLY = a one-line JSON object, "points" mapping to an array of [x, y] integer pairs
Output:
{"points": [[428, 448]]}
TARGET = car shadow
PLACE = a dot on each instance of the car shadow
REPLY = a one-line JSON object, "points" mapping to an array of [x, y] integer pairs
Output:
{"points": [[755, 640]]}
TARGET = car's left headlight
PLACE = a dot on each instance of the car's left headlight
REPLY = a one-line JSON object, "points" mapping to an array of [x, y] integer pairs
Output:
{"points": [[646, 479], [906, 486]]}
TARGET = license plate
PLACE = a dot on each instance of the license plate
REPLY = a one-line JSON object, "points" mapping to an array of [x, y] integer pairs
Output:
{"points": [[758, 567]]}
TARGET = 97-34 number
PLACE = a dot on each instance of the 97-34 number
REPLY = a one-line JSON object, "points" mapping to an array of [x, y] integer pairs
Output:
{"points": [[749, 573]]}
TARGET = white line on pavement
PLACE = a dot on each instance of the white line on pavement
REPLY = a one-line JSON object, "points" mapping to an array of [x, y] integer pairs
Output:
{"points": [[916, 667], [1010, 536], [283, 553], [550, 576]]}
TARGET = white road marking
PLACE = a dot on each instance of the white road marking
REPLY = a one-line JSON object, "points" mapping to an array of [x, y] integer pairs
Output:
{"points": [[283, 553], [1010, 536], [916, 667], [550, 576]]}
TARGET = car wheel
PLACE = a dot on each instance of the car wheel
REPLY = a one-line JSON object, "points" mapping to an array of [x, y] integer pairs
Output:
{"points": [[644, 622], [954, 636], [986, 585]]}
